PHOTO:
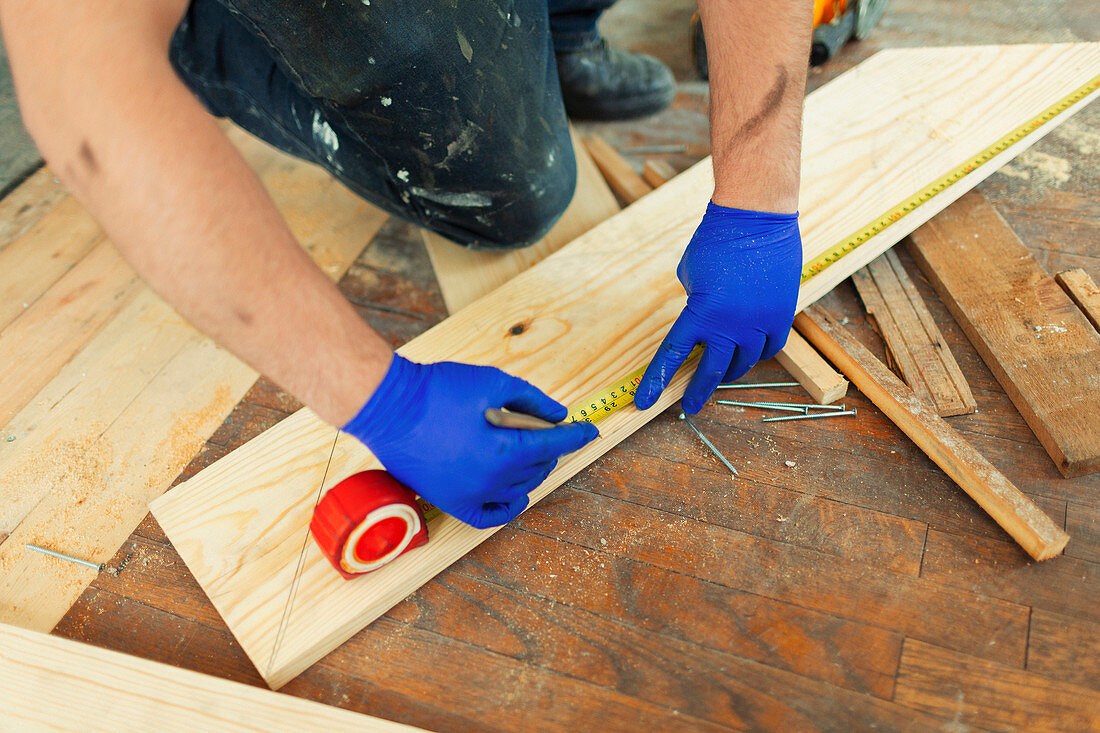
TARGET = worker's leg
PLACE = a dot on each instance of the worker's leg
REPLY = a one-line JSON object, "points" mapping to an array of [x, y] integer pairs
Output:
{"points": [[446, 114], [599, 81]]}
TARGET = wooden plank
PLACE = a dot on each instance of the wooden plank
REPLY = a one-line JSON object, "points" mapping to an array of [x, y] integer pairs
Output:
{"points": [[974, 692], [657, 172], [1064, 648], [1033, 338], [119, 422], [815, 375], [42, 339], [1084, 292], [912, 337], [1009, 507], [48, 683], [465, 274], [626, 184], [240, 524]]}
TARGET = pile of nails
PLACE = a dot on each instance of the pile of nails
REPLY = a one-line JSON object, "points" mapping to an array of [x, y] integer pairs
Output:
{"points": [[805, 411]]}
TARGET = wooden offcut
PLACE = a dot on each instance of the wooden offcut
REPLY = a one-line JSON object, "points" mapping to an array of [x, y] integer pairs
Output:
{"points": [[1034, 339], [1007, 505], [912, 338], [49, 683], [657, 173], [465, 274], [624, 181], [108, 393], [590, 313], [1083, 291], [815, 375]]}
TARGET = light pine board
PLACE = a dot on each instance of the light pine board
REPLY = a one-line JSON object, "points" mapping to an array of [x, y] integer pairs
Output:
{"points": [[108, 393], [240, 525], [465, 274], [1039, 346], [53, 684], [913, 340]]}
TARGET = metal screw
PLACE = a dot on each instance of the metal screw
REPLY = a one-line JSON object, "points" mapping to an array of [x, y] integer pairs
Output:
{"points": [[713, 448], [759, 384], [60, 556], [763, 406], [810, 416]]}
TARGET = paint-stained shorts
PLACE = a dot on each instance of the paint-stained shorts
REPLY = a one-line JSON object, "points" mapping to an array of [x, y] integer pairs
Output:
{"points": [[444, 112]]}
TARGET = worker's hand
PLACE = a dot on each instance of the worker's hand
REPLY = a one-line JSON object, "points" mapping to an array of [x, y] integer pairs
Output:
{"points": [[426, 424], [741, 272]]}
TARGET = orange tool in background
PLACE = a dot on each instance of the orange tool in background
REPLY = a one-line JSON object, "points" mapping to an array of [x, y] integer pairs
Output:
{"points": [[835, 23]]}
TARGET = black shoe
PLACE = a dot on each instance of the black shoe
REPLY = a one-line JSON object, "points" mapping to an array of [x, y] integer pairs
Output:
{"points": [[599, 82]]}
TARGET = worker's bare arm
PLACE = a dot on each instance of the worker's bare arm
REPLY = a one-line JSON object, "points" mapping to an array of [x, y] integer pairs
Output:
{"points": [[758, 54], [115, 123]]}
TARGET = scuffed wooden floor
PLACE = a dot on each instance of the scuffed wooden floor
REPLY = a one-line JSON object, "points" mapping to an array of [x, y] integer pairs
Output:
{"points": [[842, 582]]}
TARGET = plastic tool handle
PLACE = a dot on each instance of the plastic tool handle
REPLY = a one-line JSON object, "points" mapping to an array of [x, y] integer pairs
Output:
{"points": [[366, 521]]}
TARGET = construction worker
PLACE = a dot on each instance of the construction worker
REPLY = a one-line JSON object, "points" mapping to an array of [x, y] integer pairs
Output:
{"points": [[450, 114]]}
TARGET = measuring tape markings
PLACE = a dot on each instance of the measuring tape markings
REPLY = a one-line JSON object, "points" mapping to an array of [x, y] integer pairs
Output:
{"points": [[847, 245]]}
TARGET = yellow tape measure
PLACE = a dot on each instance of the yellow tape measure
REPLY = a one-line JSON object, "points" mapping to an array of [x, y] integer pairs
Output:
{"points": [[861, 236]]}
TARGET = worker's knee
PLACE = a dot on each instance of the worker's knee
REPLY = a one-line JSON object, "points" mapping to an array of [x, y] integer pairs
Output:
{"points": [[508, 204]]}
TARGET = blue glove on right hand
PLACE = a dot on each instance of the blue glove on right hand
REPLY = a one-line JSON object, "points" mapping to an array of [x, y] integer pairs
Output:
{"points": [[426, 424]]}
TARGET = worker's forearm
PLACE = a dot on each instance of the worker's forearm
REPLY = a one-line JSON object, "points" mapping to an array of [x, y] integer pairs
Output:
{"points": [[758, 54], [133, 144]]}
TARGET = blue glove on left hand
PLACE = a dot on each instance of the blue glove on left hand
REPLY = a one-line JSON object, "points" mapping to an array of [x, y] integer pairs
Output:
{"points": [[741, 272]]}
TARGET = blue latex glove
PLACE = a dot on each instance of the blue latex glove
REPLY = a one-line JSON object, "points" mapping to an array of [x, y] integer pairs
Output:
{"points": [[741, 272], [426, 424]]}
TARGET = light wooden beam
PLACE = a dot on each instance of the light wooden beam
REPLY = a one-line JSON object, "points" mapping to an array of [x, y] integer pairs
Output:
{"points": [[1009, 507], [815, 375], [54, 684], [589, 313], [1038, 345]]}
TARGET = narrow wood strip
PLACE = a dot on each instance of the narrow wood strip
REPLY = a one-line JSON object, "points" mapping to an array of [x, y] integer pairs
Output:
{"points": [[627, 184], [1011, 509], [465, 275], [974, 692], [657, 172], [1084, 292], [911, 335], [40, 341], [48, 683], [1037, 343], [815, 375]]}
